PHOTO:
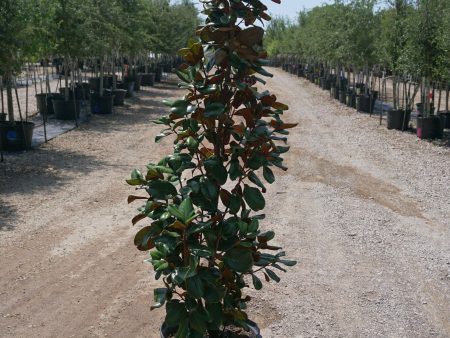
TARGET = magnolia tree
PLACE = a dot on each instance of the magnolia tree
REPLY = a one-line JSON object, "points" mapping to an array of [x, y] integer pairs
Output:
{"points": [[205, 199]]}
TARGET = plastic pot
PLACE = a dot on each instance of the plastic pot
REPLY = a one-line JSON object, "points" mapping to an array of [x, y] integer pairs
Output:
{"points": [[80, 92], [41, 103], [119, 97], [447, 118], [254, 332], [158, 73], [16, 136], [148, 79], [102, 105], [94, 84], [138, 83], [350, 99], [168, 68], [50, 98], [66, 110], [342, 96], [430, 127], [398, 119]]}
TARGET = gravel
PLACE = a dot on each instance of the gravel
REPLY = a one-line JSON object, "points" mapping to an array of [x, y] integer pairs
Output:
{"points": [[365, 212]]}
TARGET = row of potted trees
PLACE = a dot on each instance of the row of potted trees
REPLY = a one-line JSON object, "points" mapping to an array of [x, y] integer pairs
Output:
{"points": [[359, 93], [93, 31]]}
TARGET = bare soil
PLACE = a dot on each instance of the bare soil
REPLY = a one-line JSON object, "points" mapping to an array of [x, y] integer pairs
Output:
{"points": [[364, 210]]}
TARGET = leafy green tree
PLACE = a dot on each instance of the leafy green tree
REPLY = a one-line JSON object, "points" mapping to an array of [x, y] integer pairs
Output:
{"points": [[204, 200], [15, 32], [74, 32]]}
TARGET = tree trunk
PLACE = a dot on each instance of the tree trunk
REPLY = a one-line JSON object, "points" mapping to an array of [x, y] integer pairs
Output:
{"points": [[9, 97], [101, 77], [66, 79]]}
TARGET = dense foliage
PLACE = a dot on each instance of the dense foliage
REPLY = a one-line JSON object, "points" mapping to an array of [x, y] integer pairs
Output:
{"points": [[204, 200], [406, 37], [72, 30]]}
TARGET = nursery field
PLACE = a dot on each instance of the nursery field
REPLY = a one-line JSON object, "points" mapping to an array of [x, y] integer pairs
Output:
{"points": [[364, 210]]}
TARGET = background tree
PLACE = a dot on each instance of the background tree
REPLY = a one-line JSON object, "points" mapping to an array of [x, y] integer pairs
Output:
{"points": [[15, 32]]}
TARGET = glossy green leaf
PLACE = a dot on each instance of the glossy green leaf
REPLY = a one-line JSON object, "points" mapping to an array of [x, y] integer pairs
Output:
{"points": [[255, 179], [214, 109], [273, 275], [159, 296], [161, 189], [268, 175], [254, 198], [256, 282], [195, 287], [143, 239], [176, 312], [239, 259]]}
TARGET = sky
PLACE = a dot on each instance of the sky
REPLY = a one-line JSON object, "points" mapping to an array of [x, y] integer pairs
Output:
{"points": [[290, 8]]}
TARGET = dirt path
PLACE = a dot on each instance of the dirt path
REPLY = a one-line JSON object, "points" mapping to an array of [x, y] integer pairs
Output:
{"points": [[364, 210]]}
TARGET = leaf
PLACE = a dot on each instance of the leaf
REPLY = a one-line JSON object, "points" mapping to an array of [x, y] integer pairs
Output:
{"points": [[143, 239], [255, 179], [187, 209], [268, 175], [235, 169], [280, 106], [199, 228], [133, 198], [288, 262], [159, 296], [239, 259], [216, 169], [214, 109], [137, 218], [251, 36], [134, 181], [183, 329], [195, 287], [178, 225], [161, 189], [197, 322], [256, 282], [200, 250], [176, 312], [254, 198], [273, 275], [235, 204]]}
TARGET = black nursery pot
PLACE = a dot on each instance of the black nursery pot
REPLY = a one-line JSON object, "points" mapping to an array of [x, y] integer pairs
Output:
{"points": [[138, 83], [342, 96], [16, 136], [119, 97], [148, 79], [447, 118], [398, 119], [158, 73], [431, 127], [102, 105], [66, 110], [168, 68], [254, 332], [41, 103], [94, 84]]}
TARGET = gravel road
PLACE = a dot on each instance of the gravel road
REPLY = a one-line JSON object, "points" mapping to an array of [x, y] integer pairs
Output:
{"points": [[364, 210]]}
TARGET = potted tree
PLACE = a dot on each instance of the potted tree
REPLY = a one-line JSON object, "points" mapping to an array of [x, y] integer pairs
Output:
{"points": [[204, 200], [425, 55], [16, 29], [72, 20]]}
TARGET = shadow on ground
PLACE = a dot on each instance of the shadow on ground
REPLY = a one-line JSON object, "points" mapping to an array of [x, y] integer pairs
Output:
{"points": [[8, 215]]}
